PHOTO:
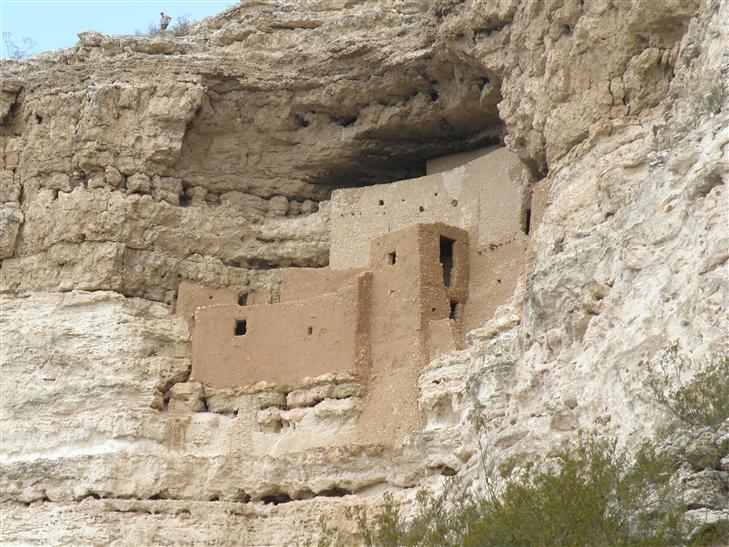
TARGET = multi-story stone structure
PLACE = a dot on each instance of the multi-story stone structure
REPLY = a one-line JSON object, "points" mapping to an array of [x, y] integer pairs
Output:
{"points": [[414, 265]]}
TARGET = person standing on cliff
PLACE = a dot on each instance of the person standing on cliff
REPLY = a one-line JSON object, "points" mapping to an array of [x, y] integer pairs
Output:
{"points": [[164, 20]]}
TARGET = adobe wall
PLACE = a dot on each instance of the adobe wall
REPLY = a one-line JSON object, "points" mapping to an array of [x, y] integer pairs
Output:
{"points": [[283, 343], [406, 296], [446, 163], [486, 197], [191, 296], [300, 283]]}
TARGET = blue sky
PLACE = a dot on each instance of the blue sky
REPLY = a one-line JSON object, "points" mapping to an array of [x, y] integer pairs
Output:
{"points": [[53, 24]]}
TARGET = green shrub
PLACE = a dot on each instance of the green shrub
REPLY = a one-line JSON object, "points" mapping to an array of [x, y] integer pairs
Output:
{"points": [[702, 401], [595, 498]]}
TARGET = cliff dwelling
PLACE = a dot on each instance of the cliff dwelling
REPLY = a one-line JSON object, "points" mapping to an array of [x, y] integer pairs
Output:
{"points": [[414, 265]]}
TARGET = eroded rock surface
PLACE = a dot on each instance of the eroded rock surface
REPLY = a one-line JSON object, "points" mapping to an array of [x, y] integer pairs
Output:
{"points": [[131, 163]]}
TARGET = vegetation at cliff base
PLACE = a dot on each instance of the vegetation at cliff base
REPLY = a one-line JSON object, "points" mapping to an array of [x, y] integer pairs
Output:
{"points": [[701, 401], [596, 497], [593, 496]]}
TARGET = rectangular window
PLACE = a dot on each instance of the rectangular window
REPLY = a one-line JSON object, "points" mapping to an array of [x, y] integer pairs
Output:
{"points": [[241, 327], [391, 258], [243, 299], [455, 310], [527, 221], [446, 259]]}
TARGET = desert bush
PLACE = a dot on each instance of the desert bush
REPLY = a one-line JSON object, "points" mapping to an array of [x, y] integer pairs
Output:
{"points": [[596, 497], [182, 25], [702, 401], [151, 30]]}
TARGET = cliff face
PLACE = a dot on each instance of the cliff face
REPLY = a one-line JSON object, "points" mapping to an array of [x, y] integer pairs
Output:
{"points": [[131, 163]]}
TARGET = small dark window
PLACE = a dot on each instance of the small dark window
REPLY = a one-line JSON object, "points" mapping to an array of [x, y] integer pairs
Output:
{"points": [[421, 208], [391, 258], [454, 203], [446, 259], [310, 331], [455, 308], [242, 299], [527, 221], [240, 327], [381, 202]]}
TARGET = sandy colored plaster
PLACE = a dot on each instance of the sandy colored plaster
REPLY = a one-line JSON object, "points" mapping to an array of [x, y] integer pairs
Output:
{"points": [[191, 296], [282, 343], [485, 197], [446, 163], [301, 283]]}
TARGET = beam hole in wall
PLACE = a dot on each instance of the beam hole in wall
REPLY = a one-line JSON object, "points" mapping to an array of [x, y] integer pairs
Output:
{"points": [[455, 309], [310, 331], [241, 327], [421, 208], [391, 258], [527, 224], [243, 299], [454, 203], [446, 259], [381, 202]]}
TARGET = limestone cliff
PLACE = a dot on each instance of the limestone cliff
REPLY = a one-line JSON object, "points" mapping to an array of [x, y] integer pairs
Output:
{"points": [[131, 163]]}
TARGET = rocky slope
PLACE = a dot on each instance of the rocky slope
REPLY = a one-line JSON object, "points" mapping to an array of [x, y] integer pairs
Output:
{"points": [[130, 163]]}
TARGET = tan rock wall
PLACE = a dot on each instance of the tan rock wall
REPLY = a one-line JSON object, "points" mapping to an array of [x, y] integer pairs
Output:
{"points": [[622, 105]]}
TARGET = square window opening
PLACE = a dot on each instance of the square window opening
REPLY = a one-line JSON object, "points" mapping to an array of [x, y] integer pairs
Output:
{"points": [[241, 327], [391, 258], [243, 299]]}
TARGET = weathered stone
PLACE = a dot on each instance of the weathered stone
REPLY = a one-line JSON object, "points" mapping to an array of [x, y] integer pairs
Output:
{"points": [[186, 397], [10, 220], [113, 177], [245, 203], [622, 109], [278, 206], [314, 395], [138, 183], [308, 207], [196, 195], [167, 189], [9, 187]]}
